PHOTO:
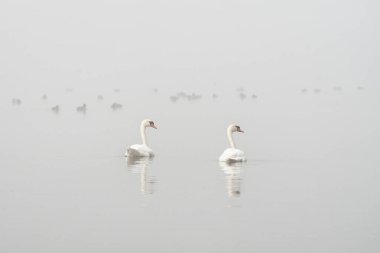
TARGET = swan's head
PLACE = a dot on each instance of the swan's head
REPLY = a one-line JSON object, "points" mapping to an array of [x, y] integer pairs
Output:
{"points": [[148, 123], [235, 128]]}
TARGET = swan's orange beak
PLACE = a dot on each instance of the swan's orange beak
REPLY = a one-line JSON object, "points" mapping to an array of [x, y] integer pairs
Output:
{"points": [[153, 126], [240, 130]]}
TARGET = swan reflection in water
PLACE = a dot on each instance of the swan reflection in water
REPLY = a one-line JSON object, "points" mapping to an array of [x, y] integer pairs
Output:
{"points": [[232, 173], [140, 165]]}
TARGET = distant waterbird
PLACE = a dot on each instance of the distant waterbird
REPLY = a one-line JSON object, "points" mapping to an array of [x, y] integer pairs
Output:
{"points": [[82, 108], [360, 88], [193, 97], [16, 101], [183, 95], [55, 109], [116, 106], [242, 96], [173, 98]]}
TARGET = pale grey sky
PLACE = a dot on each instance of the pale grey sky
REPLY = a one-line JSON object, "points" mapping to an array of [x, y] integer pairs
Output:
{"points": [[163, 43]]}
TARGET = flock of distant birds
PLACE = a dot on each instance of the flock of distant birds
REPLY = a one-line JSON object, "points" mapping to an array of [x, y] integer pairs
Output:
{"points": [[195, 97], [82, 108], [173, 98], [117, 106], [335, 88]]}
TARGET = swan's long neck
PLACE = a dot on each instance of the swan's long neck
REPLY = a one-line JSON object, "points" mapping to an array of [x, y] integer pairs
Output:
{"points": [[143, 135], [230, 139]]}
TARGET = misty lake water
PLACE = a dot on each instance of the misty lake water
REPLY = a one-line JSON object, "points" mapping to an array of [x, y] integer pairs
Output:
{"points": [[310, 183]]}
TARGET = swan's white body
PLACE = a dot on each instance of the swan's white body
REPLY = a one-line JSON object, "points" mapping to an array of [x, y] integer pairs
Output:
{"points": [[232, 154], [138, 150], [141, 150]]}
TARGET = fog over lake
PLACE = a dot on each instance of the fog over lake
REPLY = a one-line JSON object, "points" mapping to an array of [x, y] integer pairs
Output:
{"points": [[299, 77]]}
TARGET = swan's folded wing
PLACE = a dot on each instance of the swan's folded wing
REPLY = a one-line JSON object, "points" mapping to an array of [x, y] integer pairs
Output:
{"points": [[139, 150], [132, 152], [232, 155]]}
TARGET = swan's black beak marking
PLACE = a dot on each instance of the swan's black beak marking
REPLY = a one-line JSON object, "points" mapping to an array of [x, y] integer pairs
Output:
{"points": [[239, 129], [151, 123]]}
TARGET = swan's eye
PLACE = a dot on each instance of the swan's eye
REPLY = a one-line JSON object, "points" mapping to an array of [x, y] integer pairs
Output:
{"points": [[151, 123], [238, 128]]}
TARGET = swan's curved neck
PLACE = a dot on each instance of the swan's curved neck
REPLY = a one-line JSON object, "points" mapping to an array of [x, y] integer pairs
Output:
{"points": [[230, 139], [143, 135]]}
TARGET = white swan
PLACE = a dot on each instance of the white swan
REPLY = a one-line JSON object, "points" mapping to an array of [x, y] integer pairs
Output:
{"points": [[141, 150], [231, 155]]}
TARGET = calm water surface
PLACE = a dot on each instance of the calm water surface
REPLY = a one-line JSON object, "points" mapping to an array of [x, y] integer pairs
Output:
{"points": [[310, 183]]}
